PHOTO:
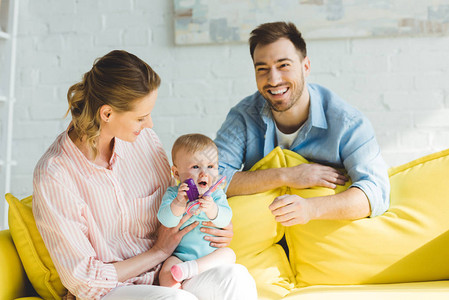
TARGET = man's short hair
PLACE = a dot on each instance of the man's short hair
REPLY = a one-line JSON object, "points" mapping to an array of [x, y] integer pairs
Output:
{"points": [[268, 33]]}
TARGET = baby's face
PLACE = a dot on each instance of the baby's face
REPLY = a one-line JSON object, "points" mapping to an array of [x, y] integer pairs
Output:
{"points": [[201, 166]]}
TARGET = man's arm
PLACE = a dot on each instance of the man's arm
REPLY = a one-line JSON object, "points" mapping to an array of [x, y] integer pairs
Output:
{"points": [[299, 177], [348, 205]]}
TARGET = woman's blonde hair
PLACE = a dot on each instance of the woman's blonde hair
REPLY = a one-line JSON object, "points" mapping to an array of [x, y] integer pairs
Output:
{"points": [[116, 79]]}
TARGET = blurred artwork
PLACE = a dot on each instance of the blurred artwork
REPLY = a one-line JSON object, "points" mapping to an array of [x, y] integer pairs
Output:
{"points": [[228, 21]]}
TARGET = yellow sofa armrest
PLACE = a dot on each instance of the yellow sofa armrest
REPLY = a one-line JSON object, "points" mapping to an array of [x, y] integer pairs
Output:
{"points": [[13, 279]]}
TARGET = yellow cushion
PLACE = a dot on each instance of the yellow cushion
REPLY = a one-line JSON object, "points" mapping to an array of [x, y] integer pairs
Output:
{"points": [[408, 243], [32, 251], [256, 234]]}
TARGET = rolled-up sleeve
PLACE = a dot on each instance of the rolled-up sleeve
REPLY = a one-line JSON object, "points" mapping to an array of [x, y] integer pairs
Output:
{"points": [[231, 143], [363, 161]]}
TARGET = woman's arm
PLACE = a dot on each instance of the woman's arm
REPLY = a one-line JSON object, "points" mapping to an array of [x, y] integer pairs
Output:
{"points": [[59, 215], [168, 239]]}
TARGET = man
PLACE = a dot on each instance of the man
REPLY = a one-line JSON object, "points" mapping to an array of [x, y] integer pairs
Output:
{"points": [[309, 120]]}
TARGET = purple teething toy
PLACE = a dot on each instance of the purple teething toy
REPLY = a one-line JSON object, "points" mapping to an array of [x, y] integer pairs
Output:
{"points": [[193, 194], [193, 204]]}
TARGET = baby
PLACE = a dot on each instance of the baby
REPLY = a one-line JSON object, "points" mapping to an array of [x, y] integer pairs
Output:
{"points": [[194, 156]]}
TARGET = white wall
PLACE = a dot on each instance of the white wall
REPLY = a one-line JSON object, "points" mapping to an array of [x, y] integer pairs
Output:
{"points": [[401, 84]]}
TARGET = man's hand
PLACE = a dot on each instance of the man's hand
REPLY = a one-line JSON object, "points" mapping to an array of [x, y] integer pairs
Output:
{"points": [[299, 177], [351, 204], [291, 210], [310, 175], [219, 237]]}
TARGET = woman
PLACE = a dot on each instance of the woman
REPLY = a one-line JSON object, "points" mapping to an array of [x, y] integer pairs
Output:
{"points": [[98, 188]]}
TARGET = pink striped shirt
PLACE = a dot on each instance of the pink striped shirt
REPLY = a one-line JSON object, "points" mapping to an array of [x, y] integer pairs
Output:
{"points": [[90, 216]]}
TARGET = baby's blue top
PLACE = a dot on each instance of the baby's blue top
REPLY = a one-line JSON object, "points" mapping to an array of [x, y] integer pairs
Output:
{"points": [[193, 245]]}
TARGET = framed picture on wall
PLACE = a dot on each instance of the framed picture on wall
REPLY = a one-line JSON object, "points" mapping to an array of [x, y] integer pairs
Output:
{"points": [[231, 21]]}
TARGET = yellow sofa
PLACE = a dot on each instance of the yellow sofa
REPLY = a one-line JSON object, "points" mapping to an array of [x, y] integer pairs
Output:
{"points": [[14, 283], [403, 254]]}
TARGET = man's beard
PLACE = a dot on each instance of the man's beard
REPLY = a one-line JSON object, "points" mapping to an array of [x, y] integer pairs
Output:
{"points": [[293, 99]]}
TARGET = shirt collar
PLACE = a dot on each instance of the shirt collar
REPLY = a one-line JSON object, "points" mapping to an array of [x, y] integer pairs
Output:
{"points": [[86, 167], [118, 147], [266, 111], [317, 116], [117, 151], [263, 109], [80, 161]]}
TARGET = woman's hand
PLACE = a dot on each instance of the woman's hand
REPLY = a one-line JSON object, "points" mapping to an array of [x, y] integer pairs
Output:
{"points": [[168, 238], [222, 236]]}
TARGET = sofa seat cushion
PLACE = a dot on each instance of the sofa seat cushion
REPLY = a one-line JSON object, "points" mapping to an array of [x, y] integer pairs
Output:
{"points": [[435, 290], [407, 243], [32, 251]]}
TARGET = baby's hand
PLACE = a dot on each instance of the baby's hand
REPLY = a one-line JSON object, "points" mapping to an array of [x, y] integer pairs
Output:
{"points": [[208, 205], [182, 197]]}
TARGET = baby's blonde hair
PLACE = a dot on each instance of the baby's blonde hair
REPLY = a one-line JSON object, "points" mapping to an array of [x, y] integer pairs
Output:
{"points": [[192, 143]]}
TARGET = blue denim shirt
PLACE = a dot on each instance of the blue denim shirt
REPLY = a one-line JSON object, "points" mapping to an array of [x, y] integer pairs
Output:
{"points": [[335, 134]]}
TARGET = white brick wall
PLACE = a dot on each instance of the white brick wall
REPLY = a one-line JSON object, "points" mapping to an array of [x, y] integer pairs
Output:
{"points": [[401, 84]]}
